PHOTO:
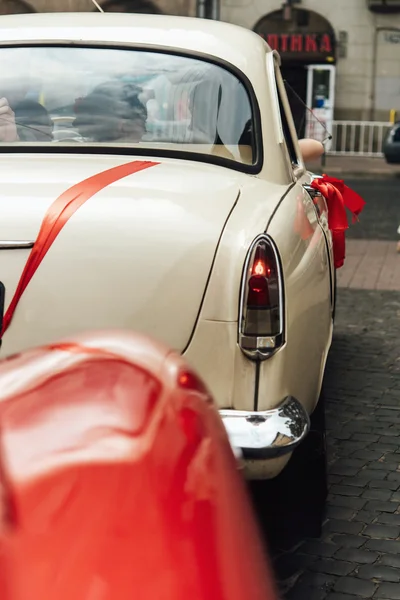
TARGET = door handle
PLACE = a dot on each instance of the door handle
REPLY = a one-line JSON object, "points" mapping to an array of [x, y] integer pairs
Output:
{"points": [[314, 195]]}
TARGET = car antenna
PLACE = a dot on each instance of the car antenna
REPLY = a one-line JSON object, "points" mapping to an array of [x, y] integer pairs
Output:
{"points": [[97, 5], [329, 135]]}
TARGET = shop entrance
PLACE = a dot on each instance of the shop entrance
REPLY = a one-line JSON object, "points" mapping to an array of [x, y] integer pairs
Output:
{"points": [[304, 40], [295, 78]]}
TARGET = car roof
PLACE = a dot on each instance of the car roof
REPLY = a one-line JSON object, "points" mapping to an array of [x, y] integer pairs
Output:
{"points": [[231, 43]]}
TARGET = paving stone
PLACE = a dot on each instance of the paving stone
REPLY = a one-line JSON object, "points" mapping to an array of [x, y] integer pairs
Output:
{"points": [[341, 526], [344, 450], [384, 485], [392, 457], [383, 446], [382, 532], [380, 572], [390, 591], [344, 470], [391, 439], [367, 454], [382, 466], [384, 432], [353, 555], [355, 587], [375, 494], [347, 501], [390, 546], [339, 512], [332, 567], [358, 481], [372, 474], [349, 541], [334, 479], [346, 490], [388, 519], [318, 580], [366, 437], [389, 507], [317, 548], [390, 560], [365, 516]]}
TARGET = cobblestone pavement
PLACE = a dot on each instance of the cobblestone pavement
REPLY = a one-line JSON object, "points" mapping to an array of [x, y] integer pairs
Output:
{"points": [[381, 215], [358, 554]]}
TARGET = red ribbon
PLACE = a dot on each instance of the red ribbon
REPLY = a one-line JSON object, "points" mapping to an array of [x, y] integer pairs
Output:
{"points": [[57, 216], [338, 197]]}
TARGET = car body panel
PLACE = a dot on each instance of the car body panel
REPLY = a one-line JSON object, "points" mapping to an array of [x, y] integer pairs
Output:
{"points": [[131, 269], [122, 477], [305, 263]]}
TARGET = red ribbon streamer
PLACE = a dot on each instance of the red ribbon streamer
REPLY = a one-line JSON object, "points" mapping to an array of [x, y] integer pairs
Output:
{"points": [[338, 197], [57, 216]]}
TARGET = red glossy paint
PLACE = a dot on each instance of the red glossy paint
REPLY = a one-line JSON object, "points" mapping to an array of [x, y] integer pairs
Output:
{"points": [[118, 480]]}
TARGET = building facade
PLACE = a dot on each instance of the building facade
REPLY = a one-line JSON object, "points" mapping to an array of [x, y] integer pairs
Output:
{"points": [[171, 7], [359, 38]]}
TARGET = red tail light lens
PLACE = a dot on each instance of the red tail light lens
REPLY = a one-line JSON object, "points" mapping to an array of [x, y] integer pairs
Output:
{"points": [[261, 299], [258, 291], [188, 380]]}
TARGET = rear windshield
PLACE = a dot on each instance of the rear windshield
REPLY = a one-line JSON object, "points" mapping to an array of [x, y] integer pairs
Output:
{"points": [[125, 98]]}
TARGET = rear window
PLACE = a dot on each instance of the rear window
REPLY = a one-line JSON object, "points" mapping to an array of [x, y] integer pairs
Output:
{"points": [[127, 98]]}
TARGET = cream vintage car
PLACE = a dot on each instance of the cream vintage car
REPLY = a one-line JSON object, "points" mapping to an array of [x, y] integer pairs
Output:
{"points": [[186, 209]]}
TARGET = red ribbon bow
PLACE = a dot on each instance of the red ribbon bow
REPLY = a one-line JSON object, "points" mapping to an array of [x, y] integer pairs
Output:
{"points": [[338, 197]]}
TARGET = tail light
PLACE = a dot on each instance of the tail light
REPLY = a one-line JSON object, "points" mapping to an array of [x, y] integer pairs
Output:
{"points": [[261, 326]]}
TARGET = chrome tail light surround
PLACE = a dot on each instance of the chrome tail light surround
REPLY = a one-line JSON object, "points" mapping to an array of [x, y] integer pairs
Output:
{"points": [[262, 344]]}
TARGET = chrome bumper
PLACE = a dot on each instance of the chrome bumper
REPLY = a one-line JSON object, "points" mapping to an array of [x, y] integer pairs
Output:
{"points": [[268, 434]]}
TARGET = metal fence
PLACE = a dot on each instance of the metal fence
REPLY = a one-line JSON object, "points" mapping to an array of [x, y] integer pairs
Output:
{"points": [[358, 138]]}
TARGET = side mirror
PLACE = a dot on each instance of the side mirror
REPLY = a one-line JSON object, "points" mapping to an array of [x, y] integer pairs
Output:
{"points": [[311, 149]]}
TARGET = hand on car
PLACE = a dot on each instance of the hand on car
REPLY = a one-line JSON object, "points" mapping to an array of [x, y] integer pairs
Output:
{"points": [[8, 128]]}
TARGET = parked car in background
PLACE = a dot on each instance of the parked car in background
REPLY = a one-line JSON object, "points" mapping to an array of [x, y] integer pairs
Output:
{"points": [[391, 145], [118, 481], [170, 197]]}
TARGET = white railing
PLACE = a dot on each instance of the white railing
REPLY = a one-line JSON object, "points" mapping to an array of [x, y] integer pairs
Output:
{"points": [[358, 138]]}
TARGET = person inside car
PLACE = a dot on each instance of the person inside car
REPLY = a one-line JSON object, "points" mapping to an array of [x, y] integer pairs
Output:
{"points": [[112, 112], [33, 122], [28, 122], [8, 127]]}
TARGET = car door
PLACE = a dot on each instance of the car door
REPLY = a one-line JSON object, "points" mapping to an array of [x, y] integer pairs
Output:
{"points": [[299, 229]]}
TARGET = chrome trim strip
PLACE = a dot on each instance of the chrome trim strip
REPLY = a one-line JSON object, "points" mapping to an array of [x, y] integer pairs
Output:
{"points": [[269, 434], [276, 113], [262, 351], [314, 193], [15, 245]]}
